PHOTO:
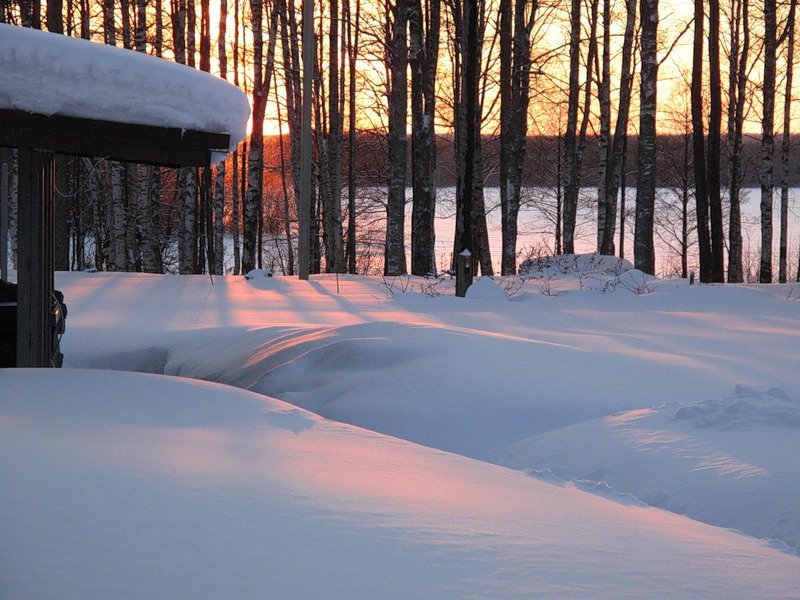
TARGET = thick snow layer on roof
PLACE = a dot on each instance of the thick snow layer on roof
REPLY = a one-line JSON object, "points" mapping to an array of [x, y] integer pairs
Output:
{"points": [[52, 74]]}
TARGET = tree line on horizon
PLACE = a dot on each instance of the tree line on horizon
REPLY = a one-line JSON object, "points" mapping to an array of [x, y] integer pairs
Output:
{"points": [[415, 94]]}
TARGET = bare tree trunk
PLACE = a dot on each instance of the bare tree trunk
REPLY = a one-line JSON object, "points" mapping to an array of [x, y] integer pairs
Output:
{"points": [[424, 27], [714, 149], [698, 137], [571, 170], [468, 133], [55, 16], [397, 55], [352, 53], [149, 188], [736, 106], [235, 161], [643, 247], [116, 229], [515, 67], [481, 252], [141, 26], [786, 145], [619, 145], [292, 84], [767, 140], [332, 207], [219, 182], [575, 143], [125, 13], [604, 97], [191, 29], [262, 75], [287, 220]]}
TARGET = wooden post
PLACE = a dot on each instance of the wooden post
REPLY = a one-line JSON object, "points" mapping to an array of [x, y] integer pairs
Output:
{"points": [[5, 201], [463, 273], [35, 277]]}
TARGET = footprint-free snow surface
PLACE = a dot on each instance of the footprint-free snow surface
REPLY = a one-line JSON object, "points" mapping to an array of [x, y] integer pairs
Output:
{"points": [[623, 405]]}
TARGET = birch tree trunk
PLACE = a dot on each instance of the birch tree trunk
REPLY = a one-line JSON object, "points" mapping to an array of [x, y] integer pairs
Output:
{"points": [[332, 207], [397, 55], [515, 67], [619, 144], [643, 247], [575, 143], [219, 180], [235, 196], [252, 199], [352, 52], [786, 144]]}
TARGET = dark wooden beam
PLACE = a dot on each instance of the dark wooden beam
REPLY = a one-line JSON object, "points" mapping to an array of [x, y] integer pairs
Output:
{"points": [[35, 258], [145, 144]]}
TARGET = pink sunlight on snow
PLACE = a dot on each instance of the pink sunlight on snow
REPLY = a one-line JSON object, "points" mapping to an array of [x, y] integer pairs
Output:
{"points": [[183, 488], [595, 418]]}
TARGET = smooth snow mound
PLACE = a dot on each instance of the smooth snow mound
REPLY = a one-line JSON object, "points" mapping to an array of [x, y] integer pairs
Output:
{"points": [[122, 485], [52, 74], [730, 462], [485, 288]]}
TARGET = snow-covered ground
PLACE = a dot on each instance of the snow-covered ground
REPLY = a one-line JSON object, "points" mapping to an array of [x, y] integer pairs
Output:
{"points": [[620, 404]]}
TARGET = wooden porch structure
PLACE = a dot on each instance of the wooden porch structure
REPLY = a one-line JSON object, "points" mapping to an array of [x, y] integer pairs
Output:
{"points": [[38, 138]]}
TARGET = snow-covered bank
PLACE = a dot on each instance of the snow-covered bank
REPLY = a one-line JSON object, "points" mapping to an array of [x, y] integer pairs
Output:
{"points": [[731, 462], [482, 376], [130, 486]]}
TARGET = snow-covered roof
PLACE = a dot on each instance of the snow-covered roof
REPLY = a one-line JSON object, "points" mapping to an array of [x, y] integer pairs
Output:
{"points": [[53, 74]]}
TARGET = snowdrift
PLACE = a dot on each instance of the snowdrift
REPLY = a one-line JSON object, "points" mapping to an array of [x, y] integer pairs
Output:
{"points": [[127, 485]]}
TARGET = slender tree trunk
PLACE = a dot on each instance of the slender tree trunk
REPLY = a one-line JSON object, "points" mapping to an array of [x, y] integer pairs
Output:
{"points": [[481, 252], [736, 106], [262, 75], [620, 142], [698, 137], [714, 148], [623, 196], [219, 185], [515, 67], [643, 247], [604, 96], [395, 261], [575, 143], [786, 145], [235, 159], [55, 16], [352, 52], [767, 140], [424, 30], [467, 133], [287, 219], [571, 169], [125, 13], [332, 208]]}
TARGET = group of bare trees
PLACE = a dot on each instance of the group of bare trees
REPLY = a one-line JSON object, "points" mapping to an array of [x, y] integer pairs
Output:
{"points": [[392, 79]]}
